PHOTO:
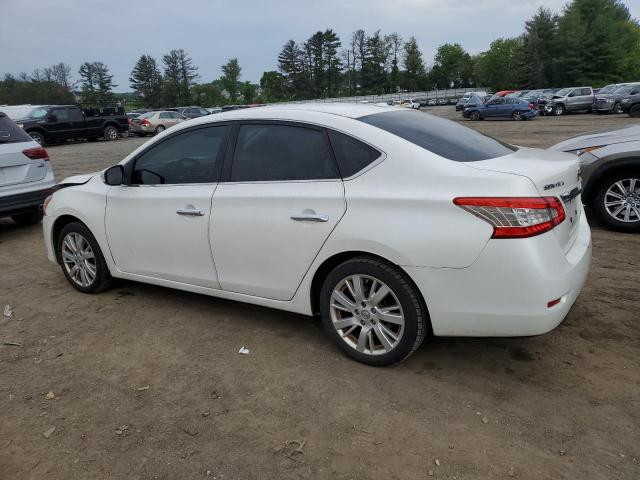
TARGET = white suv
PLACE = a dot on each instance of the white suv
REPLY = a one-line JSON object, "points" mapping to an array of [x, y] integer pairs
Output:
{"points": [[26, 176]]}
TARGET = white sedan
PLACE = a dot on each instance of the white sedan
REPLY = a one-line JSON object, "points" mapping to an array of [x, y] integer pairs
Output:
{"points": [[390, 224]]}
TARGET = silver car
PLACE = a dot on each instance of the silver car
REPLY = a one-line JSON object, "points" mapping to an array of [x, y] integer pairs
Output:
{"points": [[26, 176], [610, 164], [154, 122]]}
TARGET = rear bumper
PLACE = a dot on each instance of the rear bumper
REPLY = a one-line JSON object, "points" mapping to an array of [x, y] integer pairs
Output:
{"points": [[531, 114], [506, 291], [22, 202]]}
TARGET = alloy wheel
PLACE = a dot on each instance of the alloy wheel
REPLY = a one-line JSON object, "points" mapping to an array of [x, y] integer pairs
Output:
{"points": [[78, 259], [517, 115], [622, 200], [367, 314], [111, 133]]}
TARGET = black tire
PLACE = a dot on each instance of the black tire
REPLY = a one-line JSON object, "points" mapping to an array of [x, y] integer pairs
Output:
{"points": [[416, 319], [38, 137], [28, 218], [159, 129], [103, 279], [517, 115], [474, 116], [110, 133], [559, 109], [635, 111], [599, 197]]}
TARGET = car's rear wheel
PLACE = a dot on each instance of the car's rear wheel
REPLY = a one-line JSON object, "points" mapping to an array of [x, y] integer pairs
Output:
{"points": [[110, 133], [475, 116], [28, 218], [517, 115], [159, 129], [38, 137], [81, 259], [634, 111], [372, 311], [617, 201]]}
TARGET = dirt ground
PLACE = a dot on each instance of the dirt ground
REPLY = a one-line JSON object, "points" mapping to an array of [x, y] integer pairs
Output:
{"points": [[148, 382]]}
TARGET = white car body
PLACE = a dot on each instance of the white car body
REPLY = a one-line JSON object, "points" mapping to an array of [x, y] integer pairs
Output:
{"points": [[26, 176], [400, 208]]}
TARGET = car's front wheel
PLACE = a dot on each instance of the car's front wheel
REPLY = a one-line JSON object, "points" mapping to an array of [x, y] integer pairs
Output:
{"points": [[559, 109], [475, 116], [372, 311], [81, 259], [617, 201]]}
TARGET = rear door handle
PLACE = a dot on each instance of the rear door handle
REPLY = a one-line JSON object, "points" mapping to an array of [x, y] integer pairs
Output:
{"points": [[310, 217], [190, 212]]}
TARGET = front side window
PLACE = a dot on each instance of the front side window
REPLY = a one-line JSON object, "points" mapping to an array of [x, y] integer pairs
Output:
{"points": [[442, 137], [274, 152], [189, 157], [61, 114]]}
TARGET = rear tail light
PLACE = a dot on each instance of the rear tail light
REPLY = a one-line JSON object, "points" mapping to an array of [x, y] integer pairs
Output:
{"points": [[37, 153], [145, 122], [531, 107], [515, 217], [129, 121]]}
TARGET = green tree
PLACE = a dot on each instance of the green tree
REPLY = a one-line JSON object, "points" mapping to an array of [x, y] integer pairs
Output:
{"points": [[146, 81], [596, 43], [88, 82], [376, 54], [501, 66], [292, 66], [208, 94], [230, 79], [248, 92], [179, 76], [414, 71], [539, 40], [452, 67], [104, 82], [274, 87]]}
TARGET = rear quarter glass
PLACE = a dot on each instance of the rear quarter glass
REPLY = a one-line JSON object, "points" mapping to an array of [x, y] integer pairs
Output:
{"points": [[437, 135], [10, 132]]}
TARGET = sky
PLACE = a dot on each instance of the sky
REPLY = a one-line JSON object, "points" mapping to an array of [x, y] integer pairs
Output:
{"points": [[39, 33]]}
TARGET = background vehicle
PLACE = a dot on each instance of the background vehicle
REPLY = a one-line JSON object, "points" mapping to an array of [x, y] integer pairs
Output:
{"points": [[291, 214], [506, 107], [408, 103], [26, 176], [610, 164], [469, 99], [16, 112], [58, 123], [191, 112], [154, 122], [631, 103], [609, 98], [214, 109], [574, 99]]}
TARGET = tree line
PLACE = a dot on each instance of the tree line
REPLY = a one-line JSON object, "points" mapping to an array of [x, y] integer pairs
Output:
{"points": [[591, 42]]}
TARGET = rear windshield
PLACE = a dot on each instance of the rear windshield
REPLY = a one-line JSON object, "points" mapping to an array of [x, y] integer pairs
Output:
{"points": [[10, 132], [442, 137]]}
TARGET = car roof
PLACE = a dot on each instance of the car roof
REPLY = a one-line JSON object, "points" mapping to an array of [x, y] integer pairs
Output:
{"points": [[343, 109]]}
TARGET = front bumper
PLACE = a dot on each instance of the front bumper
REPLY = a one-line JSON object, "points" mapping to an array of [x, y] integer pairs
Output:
{"points": [[506, 291], [23, 202], [602, 106]]}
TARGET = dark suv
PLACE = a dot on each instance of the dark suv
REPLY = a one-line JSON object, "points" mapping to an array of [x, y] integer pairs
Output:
{"points": [[609, 100]]}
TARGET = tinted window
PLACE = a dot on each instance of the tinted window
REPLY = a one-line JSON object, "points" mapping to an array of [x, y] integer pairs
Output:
{"points": [[352, 155], [281, 152], [61, 113], [75, 115], [10, 132], [440, 136], [189, 157]]}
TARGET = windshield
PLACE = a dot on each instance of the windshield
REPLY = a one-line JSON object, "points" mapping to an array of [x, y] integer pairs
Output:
{"points": [[442, 137], [563, 92], [37, 113], [608, 89]]}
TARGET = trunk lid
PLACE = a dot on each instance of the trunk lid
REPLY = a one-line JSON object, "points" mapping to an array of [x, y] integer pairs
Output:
{"points": [[16, 167], [554, 174]]}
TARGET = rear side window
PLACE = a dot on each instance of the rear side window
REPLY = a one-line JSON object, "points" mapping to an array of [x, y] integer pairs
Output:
{"points": [[272, 152], [352, 155], [10, 132], [442, 137], [190, 157]]}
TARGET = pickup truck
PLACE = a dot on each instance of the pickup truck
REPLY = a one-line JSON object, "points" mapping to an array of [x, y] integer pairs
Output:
{"points": [[573, 99], [57, 123]]}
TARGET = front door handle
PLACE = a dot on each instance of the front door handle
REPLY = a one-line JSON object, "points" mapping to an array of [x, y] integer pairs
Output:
{"points": [[310, 217], [190, 211]]}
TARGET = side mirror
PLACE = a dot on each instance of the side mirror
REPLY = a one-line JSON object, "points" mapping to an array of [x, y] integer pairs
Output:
{"points": [[114, 175], [52, 118]]}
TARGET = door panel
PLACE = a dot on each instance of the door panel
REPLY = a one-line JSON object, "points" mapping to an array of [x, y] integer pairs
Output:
{"points": [[147, 236], [258, 248]]}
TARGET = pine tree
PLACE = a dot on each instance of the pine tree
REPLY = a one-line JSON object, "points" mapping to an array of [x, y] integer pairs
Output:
{"points": [[179, 76], [538, 45], [230, 79], [146, 81], [414, 70]]}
